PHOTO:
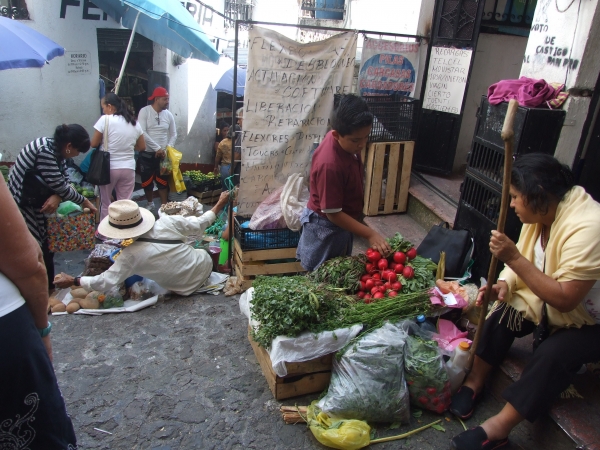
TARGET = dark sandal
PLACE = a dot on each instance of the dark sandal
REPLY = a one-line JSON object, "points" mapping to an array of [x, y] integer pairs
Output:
{"points": [[476, 439], [463, 402]]}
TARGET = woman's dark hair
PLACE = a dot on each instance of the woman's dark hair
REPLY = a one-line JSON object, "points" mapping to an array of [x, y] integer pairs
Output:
{"points": [[74, 134], [113, 99], [541, 179], [351, 114]]}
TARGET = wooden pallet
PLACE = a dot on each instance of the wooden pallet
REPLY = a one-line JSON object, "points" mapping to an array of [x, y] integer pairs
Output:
{"points": [[388, 166], [250, 263], [303, 377]]}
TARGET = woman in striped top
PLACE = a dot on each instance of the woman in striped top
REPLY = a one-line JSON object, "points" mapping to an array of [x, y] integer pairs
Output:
{"points": [[47, 157]]}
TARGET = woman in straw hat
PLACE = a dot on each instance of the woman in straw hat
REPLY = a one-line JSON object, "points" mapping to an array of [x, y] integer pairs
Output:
{"points": [[159, 252]]}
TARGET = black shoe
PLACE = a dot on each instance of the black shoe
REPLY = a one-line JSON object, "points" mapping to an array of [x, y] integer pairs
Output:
{"points": [[463, 402], [476, 439]]}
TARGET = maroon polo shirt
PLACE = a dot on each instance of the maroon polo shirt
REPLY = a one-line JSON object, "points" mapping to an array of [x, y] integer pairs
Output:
{"points": [[336, 179]]}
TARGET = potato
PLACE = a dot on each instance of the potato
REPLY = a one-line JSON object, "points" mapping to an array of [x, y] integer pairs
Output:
{"points": [[89, 303], [61, 307], [53, 301], [72, 307], [93, 295], [75, 300], [79, 293]]}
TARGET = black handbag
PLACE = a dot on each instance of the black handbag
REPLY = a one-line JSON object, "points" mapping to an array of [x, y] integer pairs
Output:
{"points": [[99, 170], [35, 190], [457, 244]]}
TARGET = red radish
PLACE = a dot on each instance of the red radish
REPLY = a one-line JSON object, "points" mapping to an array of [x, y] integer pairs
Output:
{"points": [[387, 286], [431, 390], [399, 258], [363, 286], [408, 272], [382, 264], [374, 256], [365, 277], [375, 290], [396, 286], [399, 268], [368, 300], [391, 277], [392, 265], [376, 276], [378, 295], [392, 294], [367, 296], [369, 284], [369, 267], [361, 294], [412, 253], [378, 283]]}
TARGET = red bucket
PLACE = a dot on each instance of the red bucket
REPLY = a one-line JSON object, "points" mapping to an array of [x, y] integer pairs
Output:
{"points": [[214, 253]]}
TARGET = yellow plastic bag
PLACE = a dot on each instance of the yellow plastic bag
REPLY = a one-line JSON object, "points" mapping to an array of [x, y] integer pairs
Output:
{"points": [[338, 433], [175, 156]]}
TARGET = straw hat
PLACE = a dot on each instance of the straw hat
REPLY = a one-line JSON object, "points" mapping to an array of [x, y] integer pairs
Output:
{"points": [[126, 220]]}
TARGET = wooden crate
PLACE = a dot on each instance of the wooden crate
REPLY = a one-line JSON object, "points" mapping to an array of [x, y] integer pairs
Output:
{"points": [[388, 166], [249, 263], [303, 377], [208, 197]]}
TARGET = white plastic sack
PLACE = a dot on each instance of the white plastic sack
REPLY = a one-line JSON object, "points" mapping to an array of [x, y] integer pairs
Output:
{"points": [[294, 198], [304, 347]]}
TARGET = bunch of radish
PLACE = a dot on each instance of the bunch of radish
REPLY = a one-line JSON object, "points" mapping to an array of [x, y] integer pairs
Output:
{"points": [[384, 277]]}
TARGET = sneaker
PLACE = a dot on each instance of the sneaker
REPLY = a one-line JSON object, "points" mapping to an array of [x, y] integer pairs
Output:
{"points": [[150, 207], [476, 439], [463, 402]]}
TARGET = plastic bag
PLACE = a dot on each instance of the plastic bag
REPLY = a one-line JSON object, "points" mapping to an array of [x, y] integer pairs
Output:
{"points": [[337, 433], [144, 289], [113, 298], [166, 168], [269, 215], [68, 207], [293, 200], [367, 383], [177, 178], [426, 375]]}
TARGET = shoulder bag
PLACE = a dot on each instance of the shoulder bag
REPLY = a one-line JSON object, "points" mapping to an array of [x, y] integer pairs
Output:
{"points": [[35, 191], [99, 171], [457, 244]]}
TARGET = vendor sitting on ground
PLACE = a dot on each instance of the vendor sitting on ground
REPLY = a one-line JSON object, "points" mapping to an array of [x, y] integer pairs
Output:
{"points": [[159, 251]]}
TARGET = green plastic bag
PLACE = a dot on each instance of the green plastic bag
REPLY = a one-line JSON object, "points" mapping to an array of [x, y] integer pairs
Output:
{"points": [[68, 207]]}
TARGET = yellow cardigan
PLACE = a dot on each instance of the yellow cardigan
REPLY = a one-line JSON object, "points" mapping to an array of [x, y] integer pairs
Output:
{"points": [[572, 253]]}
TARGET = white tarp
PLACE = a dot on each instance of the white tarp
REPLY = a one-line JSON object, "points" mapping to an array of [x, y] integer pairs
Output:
{"points": [[287, 105]]}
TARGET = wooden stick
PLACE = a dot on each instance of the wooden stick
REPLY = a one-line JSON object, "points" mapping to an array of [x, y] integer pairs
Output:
{"points": [[508, 138], [405, 435]]}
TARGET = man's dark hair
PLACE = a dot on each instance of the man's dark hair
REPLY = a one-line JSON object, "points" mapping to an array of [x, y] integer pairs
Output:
{"points": [[351, 114], [541, 179]]}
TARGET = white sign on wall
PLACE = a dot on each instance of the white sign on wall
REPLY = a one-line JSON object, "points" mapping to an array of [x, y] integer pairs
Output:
{"points": [[78, 63], [287, 103], [447, 79]]}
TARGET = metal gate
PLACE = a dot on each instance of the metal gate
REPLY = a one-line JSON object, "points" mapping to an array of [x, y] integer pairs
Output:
{"points": [[456, 24]]}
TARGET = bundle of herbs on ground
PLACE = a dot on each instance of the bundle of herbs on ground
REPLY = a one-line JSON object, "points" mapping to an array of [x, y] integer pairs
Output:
{"points": [[287, 306], [342, 272]]}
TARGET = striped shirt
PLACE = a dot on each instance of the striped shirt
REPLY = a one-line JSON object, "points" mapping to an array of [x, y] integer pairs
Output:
{"points": [[41, 155]]}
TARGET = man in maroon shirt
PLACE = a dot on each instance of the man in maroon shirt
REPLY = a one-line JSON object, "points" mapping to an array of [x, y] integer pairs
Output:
{"points": [[334, 210]]}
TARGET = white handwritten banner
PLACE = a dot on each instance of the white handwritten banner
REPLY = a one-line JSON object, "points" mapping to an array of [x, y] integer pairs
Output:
{"points": [[287, 104], [388, 67], [447, 79]]}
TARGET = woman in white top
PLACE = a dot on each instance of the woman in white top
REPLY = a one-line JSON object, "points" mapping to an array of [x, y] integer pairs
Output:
{"points": [[32, 410], [124, 136]]}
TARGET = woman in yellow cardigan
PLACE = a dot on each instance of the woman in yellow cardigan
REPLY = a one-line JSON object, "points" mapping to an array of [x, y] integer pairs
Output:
{"points": [[547, 278]]}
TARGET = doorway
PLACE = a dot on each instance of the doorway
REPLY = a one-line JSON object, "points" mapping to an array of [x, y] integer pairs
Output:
{"points": [[112, 45]]}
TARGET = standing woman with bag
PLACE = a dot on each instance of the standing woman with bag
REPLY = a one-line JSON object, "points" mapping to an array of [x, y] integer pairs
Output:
{"points": [[45, 157], [120, 134]]}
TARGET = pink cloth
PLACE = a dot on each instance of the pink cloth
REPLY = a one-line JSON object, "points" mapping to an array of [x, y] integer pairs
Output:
{"points": [[122, 181], [449, 336], [529, 92]]}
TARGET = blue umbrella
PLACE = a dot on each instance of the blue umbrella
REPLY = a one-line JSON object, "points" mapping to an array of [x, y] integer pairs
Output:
{"points": [[24, 47], [225, 83]]}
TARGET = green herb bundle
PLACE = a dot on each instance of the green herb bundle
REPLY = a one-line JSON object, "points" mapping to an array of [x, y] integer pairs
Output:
{"points": [[424, 275], [342, 272], [287, 306], [399, 244]]}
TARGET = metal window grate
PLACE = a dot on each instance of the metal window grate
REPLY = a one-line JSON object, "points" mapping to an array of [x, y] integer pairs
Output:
{"points": [[481, 197], [487, 162], [14, 9], [509, 13], [238, 9]]}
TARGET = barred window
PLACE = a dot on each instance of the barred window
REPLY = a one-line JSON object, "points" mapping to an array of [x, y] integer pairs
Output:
{"points": [[14, 9]]}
